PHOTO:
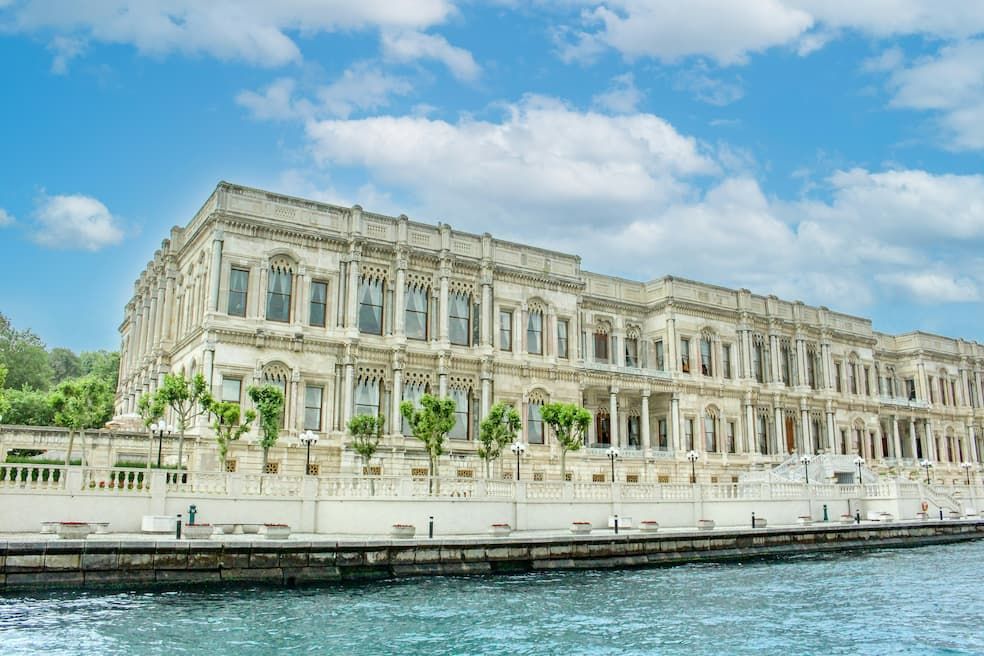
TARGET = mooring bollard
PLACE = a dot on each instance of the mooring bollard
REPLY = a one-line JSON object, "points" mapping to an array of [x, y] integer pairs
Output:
{"points": [[430, 526], [753, 520], [177, 528], [941, 514], [616, 524], [857, 516], [824, 512]]}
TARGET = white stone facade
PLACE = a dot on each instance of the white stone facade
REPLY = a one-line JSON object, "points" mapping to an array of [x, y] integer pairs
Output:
{"points": [[260, 286]]}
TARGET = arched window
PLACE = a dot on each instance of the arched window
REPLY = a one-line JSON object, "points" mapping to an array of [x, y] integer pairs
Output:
{"points": [[706, 365], [279, 291], [710, 431], [416, 311], [534, 420], [460, 396], [371, 305], [534, 332]]}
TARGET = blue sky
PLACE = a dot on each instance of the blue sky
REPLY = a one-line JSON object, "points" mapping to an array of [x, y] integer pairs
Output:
{"points": [[822, 150]]}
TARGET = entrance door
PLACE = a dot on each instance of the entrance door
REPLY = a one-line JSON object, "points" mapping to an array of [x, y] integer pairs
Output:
{"points": [[790, 435]]}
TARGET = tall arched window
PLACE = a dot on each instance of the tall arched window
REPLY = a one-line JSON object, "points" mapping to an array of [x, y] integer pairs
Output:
{"points": [[416, 311], [279, 291], [534, 420], [534, 332], [706, 365], [710, 431], [371, 305]]}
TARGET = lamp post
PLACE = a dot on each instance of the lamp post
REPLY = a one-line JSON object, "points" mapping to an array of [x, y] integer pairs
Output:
{"points": [[308, 438], [161, 428], [859, 463], [693, 457], [612, 454], [967, 466], [519, 449], [805, 460], [926, 464]]}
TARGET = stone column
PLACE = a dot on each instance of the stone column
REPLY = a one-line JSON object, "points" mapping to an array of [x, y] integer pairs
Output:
{"points": [[644, 421], [897, 438], [751, 444], [160, 317], [774, 357], [400, 304], [487, 316], [442, 329], [912, 441], [348, 394], [672, 345], [806, 439], [302, 284], [828, 366], [922, 382], [971, 450], [801, 378], [778, 417], [396, 421], [613, 414], [831, 432], [215, 271], [168, 332], [929, 443], [355, 279], [291, 410], [262, 287], [675, 422]]}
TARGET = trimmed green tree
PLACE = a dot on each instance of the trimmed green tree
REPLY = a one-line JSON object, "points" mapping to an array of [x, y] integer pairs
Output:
{"points": [[569, 422], [184, 397], [430, 423], [229, 423], [80, 404], [4, 403], [366, 430], [269, 402], [150, 409], [496, 432]]}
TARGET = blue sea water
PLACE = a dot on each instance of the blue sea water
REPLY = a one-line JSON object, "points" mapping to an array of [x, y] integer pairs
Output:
{"points": [[928, 600]]}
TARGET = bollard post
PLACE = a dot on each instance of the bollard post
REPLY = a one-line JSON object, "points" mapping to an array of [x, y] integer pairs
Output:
{"points": [[616, 524], [192, 511], [941, 514], [825, 512], [857, 516], [753, 520], [430, 526], [177, 528]]}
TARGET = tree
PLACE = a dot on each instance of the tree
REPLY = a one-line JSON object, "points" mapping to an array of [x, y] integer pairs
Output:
{"points": [[28, 408], [102, 364], [497, 431], [184, 397], [366, 431], [4, 403], [430, 424], [150, 408], [229, 424], [569, 422], [24, 355], [269, 402], [64, 364], [80, 404]]}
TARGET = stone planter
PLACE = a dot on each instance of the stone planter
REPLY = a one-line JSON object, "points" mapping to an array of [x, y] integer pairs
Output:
{"points": [[48, 527], [251, 529], [705, 524], [275, 531], [402, 531], [648, 526], [580, 528], [922, 516], [158, 524], [952, 514], [846, 519], [804, 520], [72, 530], [500, 530], [197, 531], [101, 528], [225, 529], [760, 522], [885, 517]]}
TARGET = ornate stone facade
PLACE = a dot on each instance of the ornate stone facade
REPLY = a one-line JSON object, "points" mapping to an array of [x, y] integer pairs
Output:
{"points": [[350, 311]]}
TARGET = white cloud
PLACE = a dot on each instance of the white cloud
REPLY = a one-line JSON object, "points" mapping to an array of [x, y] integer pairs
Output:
{"points": [[254, 31], [66, 48], [408, 46], [709, 89], [6, 218], [934, 287], [274, 103], [76, 222], [623, 97]]}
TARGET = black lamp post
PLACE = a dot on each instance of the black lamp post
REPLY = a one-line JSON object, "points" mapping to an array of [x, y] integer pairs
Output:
{"points": [[926, 464], [859, 463], [693, 457], [806, 467], [308, 438], [160, 427], [967, 466], [519, 449], [612, 454]]}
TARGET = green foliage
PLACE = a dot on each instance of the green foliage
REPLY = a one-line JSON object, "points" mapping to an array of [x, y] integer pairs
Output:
{"points": [[35, 460], [4, 403], [269, 402], [229, 424], [82, 403], [24, 355], [28, 408], [101, 364], [430, 424], [496, 432], [366, 431], [184, 397], [569, 422], [64, 364], [150, 407]]}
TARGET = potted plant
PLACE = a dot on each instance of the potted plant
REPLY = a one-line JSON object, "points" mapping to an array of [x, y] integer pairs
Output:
{"points": [[402, 530], [804, 520], [846, 518], [922, 515], [885, 517], [580, 528], [275, 531], [73, 530], [705, 524], [251, 528], [649, 526], [500, 530], [198, 531], [92, 485], [102, 485], [953, 514], [760, 522]]}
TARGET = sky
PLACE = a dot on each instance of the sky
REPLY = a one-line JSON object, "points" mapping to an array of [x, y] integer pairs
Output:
{"points": [[828, 151]]}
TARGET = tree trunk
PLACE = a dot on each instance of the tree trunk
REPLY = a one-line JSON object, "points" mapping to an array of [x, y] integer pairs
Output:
{"points": [[266, 453], [488, 469], [563, 464], [85, 455], [71, 443], [150, 447], [181, 439]]}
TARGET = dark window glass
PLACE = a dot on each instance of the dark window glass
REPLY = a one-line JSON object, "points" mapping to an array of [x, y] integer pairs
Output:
{"points": [[562, 338], [371, 306], [505, 330], [238, 285], [312, 408], [458, 318], [416, 313], [319, 301], [278, 295]]}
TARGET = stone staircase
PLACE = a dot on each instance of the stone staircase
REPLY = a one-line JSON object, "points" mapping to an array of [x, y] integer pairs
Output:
{"points": [[824, 468]]}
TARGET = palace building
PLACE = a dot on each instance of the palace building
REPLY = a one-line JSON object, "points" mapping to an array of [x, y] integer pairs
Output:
{"points": [[351, 312]]}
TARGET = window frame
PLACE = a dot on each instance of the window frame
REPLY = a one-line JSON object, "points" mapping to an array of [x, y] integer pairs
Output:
{"points": [[244, 292], [319, 408], [371, 283], [532, 332], [563, 343], [312, 303], [275, 275], [506, 330]]}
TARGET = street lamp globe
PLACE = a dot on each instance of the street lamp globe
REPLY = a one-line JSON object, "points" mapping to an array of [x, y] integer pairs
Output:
{"points": [[967, 466], [693, 457], [519, 449], [308, 438], [926, 464]]}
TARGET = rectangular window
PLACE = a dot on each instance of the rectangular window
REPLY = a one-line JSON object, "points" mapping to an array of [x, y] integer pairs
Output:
{"points": [[758, 362], [232, 390], [562, 327], [811, 371], [534, 333], [278, 295], [601, 347], [685, 355], [634, 436], [238, 286], [459, 315], [460, 430], [729, 436], [367, 397], [505, 330], [852, 381], [837, 376], [371, 306], [762, 433], [664, 438], [476, 321], [932, 390], [688, 434], [631, 352], [319, 303], [312, 407], [710, 434], [726, 360], [534, 423], [910, 389], [415, 316], [706, 367], [660, 356]]}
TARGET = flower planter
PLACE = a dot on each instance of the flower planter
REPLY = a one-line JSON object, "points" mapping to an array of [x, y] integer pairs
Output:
{"points": [[275, 531], [580, 528], [760, 522], [73, 530], [402, 531], [197, 531], [922, 516], [804, 520], [705, 524], [952, 514], [251, 529], [48, 527], [846, 519], [500, 530], [101, 528], [225, 528], [885, 517], [648, 526]]}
